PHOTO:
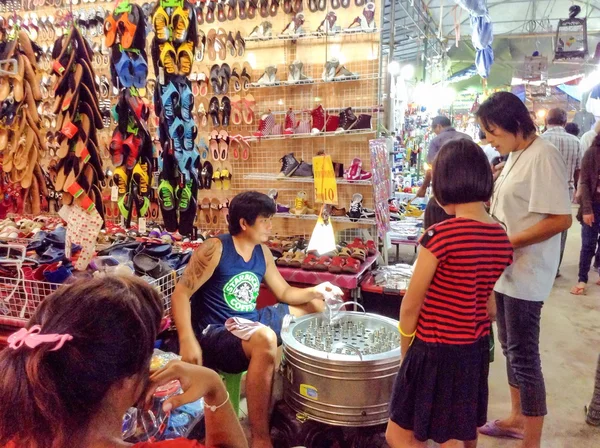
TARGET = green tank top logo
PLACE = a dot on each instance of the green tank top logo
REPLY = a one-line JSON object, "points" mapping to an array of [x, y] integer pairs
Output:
{"points": [[241, 291]]}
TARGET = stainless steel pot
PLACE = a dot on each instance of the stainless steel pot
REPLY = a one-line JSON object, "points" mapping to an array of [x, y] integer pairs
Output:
{"points": [[340, 373]]}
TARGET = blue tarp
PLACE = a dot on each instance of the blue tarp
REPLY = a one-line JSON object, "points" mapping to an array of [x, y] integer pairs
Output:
{"points": [[482, 34]]}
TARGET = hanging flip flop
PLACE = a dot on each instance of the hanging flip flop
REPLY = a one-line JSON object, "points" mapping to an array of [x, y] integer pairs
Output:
{"points": [[213, 145], [180, 20], [205, 217], [248, 104], [223, 145]]}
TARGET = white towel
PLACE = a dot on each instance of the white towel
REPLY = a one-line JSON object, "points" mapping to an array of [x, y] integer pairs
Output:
{"points": [[242, 328]]}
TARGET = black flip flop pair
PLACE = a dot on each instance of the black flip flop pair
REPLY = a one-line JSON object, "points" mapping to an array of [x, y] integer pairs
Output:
{"points": [[220, 114], [220, 75]]}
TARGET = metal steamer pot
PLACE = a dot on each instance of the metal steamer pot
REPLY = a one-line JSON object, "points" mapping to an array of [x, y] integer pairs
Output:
{"points": [[341, 372]]}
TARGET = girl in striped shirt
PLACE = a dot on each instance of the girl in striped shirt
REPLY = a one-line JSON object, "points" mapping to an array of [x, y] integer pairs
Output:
{"points": [[441, 391]]}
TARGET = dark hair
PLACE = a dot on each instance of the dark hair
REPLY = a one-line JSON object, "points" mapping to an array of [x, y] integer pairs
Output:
{"points": [[506, 111], [557, 117], [482, 135], [249, 206], [573, 129], [47, 398], [442, 121], [461, 174]]}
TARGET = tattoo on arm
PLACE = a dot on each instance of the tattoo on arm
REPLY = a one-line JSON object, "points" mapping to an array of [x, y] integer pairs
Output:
{"points": [[198, 264]]}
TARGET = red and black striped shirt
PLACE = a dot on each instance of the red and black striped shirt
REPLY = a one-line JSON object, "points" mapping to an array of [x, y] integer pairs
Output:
{"points": [[472, 256]]}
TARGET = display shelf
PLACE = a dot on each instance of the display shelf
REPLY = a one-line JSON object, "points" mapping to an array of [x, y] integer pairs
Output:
{"points": [[310, 217], [308, 180], [310, 35], [311, 82], [344, 281], [303, 136]]}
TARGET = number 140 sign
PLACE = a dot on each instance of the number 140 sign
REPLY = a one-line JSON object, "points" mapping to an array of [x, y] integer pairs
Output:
{"points": [[325, 184]]}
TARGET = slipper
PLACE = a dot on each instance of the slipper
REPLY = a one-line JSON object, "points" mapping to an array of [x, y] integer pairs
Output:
{"points": [[213, 144], [578, 290], [223, 145], [161, 22], [206, 175], [224, 209], [226, 177], [248, 104], [492, 429], [180, 20], [185, 57], [215, 204], [236, 110], [205, 211], [216, 177], [168, 58], [210, 44]]}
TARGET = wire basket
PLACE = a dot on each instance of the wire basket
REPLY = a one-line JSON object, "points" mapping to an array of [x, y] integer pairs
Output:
{"points": [[166, 286], [19, 298]]}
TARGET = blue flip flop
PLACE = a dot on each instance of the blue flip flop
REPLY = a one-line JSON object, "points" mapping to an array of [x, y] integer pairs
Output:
{"points": [[124, 69], [187, 102], [52, 255], [177, 132], [170, 101], [190, 132], [140, 72], [202, 148]]}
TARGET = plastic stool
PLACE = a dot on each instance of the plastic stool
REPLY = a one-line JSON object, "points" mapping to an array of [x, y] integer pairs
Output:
{"points": [[233, 384]]}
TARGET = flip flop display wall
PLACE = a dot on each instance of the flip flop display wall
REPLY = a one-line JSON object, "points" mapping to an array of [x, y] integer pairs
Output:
{"points": [[131, 145], [235, 87]]}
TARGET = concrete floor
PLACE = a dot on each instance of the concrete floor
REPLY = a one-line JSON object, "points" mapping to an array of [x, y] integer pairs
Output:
{"points": [[570, 344]]}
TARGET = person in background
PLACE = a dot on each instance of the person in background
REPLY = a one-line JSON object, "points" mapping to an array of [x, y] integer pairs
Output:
{"points": [[441, 391], [570, 149], [83, 359], [589, 213], [442, 128], [572, 128], [531, 197], [589, 136], [221, 283], [488, 149], [593, 410]]}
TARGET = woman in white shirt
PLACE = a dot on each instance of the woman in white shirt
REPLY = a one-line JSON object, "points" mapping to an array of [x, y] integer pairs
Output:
{"points": [[531, 197]]}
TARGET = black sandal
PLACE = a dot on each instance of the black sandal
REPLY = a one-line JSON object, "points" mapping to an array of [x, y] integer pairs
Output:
{"points": [[213, 111], [235, 80], [226, 108], [225, 76], [264, 8], [242, 9], [215, 80], [231, 14], [252, 5]]}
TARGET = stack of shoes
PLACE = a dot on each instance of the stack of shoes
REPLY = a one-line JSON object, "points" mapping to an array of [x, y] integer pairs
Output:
{"points": [[21, 142], [174, 51], [131, 144], [78, 173]]}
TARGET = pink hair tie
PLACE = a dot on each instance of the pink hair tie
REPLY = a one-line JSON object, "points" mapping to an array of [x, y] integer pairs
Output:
{"points": [[32, 338]]}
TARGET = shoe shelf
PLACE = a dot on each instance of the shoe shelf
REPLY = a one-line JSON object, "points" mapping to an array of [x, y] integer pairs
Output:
{"points": [[311, 36], [311, 217], [302, 136], [279, 84], [307, 180]]}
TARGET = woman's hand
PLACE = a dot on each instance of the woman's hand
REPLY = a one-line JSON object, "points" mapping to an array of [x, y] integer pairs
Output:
{"points": [[588, 219], [196, 382]]}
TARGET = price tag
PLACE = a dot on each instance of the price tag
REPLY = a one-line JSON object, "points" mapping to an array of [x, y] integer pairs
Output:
{"points": [[114, 193], [142, 225], [325, 183], [161, 76]]}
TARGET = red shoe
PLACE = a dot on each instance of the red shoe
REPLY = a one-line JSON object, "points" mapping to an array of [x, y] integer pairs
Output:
{"points": [[290, 119], [352, 266], [337, 265], [318, 119], [371, 248], [266, 125], [309, 262], [322, 263]]}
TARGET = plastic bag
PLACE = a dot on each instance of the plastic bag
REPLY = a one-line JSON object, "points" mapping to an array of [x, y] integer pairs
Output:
{"points": [[152, 424]]}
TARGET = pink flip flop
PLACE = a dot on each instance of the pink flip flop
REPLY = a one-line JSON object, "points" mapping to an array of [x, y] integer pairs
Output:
{"points": [[492, 429]]}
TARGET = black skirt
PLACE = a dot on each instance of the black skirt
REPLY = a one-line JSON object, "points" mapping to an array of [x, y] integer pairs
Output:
{"points": [[441, 392]]}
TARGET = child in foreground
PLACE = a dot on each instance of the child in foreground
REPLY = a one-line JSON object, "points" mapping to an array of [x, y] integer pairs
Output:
{"points": [[441, 392]]}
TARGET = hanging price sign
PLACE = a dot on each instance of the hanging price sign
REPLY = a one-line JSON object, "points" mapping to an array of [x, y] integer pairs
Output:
{"points": [[325, 184]]}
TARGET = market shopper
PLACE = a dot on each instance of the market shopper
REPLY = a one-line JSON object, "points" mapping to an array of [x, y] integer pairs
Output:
{"points": [[572, 129], [441, 126], [570, 149], [531, 197], [592, 416], [489, 150], [222, 281], [83, 360], [441, 391], [589, 213]]}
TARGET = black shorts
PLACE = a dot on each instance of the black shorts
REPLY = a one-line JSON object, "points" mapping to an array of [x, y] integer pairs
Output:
{"points": [[223, 351]]}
